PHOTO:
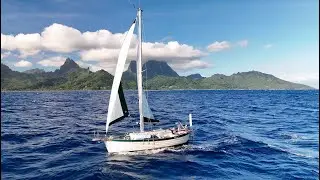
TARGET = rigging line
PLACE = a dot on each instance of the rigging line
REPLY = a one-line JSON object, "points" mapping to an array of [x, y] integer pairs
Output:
{"points": [[132, 4]]}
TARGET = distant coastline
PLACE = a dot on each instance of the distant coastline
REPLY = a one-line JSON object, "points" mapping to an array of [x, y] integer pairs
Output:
{"points": [[70, 90], [160, 76]]}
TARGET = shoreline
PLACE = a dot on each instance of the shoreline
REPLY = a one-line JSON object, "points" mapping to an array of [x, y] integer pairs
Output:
{"points": [[3, 91]]}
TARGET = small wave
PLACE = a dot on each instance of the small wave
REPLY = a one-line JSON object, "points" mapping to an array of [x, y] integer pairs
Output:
{"points": [[288, 151], [293, 136], [6, 111]]}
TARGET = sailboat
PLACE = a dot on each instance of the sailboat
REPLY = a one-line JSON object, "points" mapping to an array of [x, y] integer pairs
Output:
{"points": [[118, 110]]}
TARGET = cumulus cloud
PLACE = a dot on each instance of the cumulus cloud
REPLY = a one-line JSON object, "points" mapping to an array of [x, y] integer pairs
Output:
{"points": [[63, 39], [180, 55], [194, 64], [52, 62], [223, 45], [103, 54], [26, 44], [170, 51], [109, 67], [243, 43], [101, 46], [218, 46], [5, 54], [23, 63]]}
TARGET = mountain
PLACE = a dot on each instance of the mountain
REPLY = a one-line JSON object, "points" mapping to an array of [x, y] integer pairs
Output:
{"points": [[249, 80], [150, 70], [244, 80], [159, 76], [5, 70], [68, 66], [13, 80], [157, 68], [195, 76], [34, 71], [130, 73]]}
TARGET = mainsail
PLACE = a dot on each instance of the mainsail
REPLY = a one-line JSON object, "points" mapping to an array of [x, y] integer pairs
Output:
{"points": [[117, 106]]}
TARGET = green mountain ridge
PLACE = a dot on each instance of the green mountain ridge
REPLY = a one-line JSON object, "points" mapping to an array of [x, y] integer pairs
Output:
{"points": [[195, 76], [159, 76], [34, 71]]}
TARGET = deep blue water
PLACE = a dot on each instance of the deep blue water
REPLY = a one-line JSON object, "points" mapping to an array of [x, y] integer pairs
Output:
{"points": [[237, 135]]}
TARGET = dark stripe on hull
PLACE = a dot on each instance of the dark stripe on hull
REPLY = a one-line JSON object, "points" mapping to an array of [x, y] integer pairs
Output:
{"points": [[144, 140], [156, 148]]}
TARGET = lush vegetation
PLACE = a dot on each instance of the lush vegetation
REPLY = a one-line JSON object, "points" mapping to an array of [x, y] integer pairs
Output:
{"points": [[71, 77]]}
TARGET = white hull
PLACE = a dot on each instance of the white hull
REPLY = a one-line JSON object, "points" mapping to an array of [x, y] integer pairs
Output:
{"points": [[140, 145]]}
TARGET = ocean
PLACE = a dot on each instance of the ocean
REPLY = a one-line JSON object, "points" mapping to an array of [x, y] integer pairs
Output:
{"points": [[237, 134]]}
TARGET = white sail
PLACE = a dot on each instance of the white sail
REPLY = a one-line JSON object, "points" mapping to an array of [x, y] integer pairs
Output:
{"points": [[120, 107], [143, 140], [115, 109]]}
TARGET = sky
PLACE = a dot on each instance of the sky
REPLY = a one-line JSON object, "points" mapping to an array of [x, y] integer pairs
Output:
{"points": [[207, 37]]}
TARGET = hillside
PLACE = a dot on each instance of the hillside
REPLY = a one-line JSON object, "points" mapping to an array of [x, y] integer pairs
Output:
{"points": [[195, 76], [70, 76], [150, 70], [34, 71]]}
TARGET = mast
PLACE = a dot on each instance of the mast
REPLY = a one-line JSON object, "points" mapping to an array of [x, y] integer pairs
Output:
{"points": [[139, 72]]}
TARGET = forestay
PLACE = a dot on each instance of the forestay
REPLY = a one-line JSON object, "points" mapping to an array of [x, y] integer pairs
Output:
{"points": [[117, 106]]}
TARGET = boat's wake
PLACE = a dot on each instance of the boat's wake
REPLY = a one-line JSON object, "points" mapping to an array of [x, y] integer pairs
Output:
{"points": [[226, 145]]}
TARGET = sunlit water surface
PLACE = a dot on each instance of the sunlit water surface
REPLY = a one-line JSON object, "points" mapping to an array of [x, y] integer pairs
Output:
{"points": [[237, 135]]}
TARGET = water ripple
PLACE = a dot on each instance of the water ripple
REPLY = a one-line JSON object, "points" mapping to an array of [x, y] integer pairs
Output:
{"points": [[237, 135]]}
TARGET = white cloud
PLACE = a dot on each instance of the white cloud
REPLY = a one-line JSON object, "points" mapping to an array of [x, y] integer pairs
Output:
{"points": [[171, 51], [102, 54], [223, 45], [5, 54], [218, 46], [179, 55], [100, 65], [60, 38], [52, 62], [311, 79], [26, 44], [195, 64], [243, 43], [102, 46], [63, 39], [23, 63], [267, 46]]}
